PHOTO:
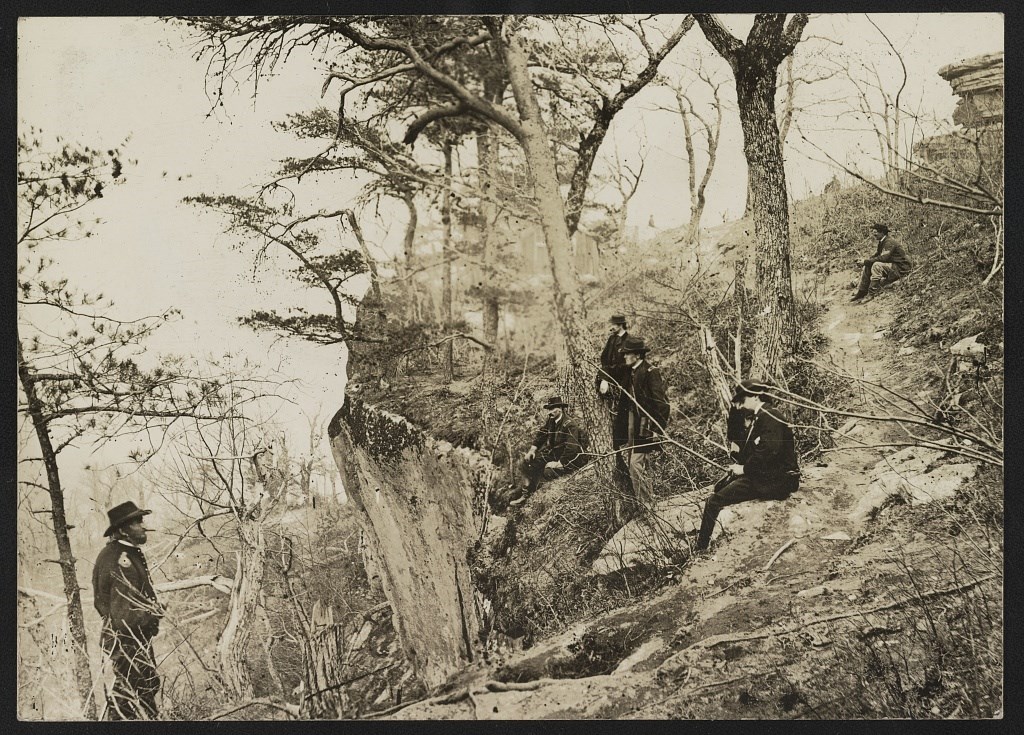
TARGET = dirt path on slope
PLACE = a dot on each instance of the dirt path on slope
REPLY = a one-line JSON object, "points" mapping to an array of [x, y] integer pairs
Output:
{"points": [[737, 637]]}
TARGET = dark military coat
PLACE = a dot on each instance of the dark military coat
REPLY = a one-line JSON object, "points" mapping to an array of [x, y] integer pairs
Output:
{"points": [[123, 592], [645, 390], [769, 451], [562, 440], [613, 365]]}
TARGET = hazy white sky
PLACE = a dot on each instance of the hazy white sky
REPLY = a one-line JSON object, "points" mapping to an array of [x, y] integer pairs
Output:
{"points": [[100, 80]]}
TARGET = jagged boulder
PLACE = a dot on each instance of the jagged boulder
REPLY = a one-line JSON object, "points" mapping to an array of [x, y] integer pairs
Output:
{"points": [[913, 475], [415, 498]]}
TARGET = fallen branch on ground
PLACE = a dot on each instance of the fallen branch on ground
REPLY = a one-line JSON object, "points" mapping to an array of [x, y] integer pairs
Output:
{"points": [[778, 553]]}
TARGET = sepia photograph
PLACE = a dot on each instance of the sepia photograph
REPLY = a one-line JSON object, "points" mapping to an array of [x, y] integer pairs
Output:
{"points": [[510, 367]]}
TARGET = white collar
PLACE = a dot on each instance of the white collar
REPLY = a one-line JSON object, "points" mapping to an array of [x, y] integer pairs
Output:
{"points": [[620, 333], [637, 364], [129, 544]]}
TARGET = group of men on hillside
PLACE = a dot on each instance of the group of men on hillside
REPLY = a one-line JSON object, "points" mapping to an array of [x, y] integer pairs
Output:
{"points": [[763, 466], [761, 440], [634, 393], [761, 444]]}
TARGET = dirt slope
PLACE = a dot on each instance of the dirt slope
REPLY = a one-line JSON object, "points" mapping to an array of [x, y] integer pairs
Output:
{"points": [[736, 638]]}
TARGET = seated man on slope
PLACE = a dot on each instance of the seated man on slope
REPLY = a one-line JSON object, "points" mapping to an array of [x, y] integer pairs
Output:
{"points": [[765, 466], [557, 449]]}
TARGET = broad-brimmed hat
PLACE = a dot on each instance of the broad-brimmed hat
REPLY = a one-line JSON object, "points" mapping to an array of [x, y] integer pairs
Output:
{"points": [[634, 344], [617, 319], [750, 388], [555, 402], [122, 514]]}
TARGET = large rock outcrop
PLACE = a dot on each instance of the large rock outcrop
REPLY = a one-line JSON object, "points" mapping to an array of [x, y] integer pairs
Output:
{"points": [[415, 499], [978, 82]]}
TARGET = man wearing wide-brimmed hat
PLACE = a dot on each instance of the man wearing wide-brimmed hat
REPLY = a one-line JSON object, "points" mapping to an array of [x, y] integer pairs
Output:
{"points": [[123, 595], [765, 467], [645, 410], [557, 449]]}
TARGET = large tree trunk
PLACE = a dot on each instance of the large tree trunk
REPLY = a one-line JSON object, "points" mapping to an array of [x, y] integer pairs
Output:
{"points": [[774, 324], [447, 256], [414, 500], [579, 365], [65, 557]]}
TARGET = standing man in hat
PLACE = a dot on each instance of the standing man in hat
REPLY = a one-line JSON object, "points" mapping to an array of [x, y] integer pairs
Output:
{"points": [[889, 263], [124, 597], [646, 410], [557, 449], [611, 378], [765, 465]]}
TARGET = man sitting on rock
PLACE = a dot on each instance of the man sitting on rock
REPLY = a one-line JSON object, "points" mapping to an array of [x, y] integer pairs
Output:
{"points": [[888, 264], [766, 465], [557, 449]]}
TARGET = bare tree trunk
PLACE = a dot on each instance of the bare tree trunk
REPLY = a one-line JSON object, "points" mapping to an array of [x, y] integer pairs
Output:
{"points": [[447, 257], [325, 667], [66, 558], [409, 248], [755, 86], [487, 159], [245, 598], [579, 366], [755, 66], [370, 262], [691, 171]]}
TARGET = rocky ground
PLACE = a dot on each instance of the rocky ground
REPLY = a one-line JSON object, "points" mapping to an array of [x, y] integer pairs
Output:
{"points": [[775, 621]]}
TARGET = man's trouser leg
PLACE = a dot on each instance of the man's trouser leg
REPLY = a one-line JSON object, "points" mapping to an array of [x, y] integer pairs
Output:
{"points": [[620, 438], [532, 471], [739, 490], [136, 682], [640, 478], [881, 274], [865, 280]]}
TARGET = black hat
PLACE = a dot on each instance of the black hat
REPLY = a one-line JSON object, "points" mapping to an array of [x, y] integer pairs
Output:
{"points": [[617, 319], [749, 388], [634, 344], [884, 229], [122, 514], [555, 402]]}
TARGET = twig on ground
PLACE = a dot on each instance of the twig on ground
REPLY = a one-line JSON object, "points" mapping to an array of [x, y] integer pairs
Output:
{"points": [[778, 553], [291, 709]]}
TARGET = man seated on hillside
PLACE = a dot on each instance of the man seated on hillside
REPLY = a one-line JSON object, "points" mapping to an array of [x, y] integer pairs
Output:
{"points": [[557, 450], [765, 466], [889, 263]]}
